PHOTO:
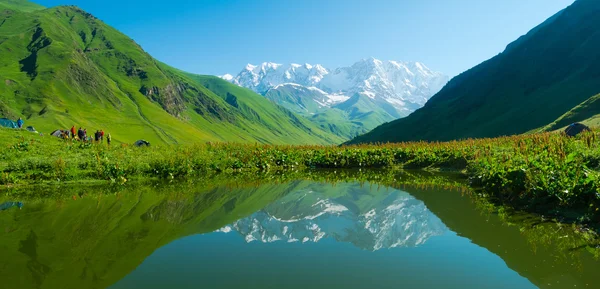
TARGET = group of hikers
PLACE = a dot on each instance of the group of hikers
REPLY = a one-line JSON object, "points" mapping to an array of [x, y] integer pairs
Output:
{"points": [[82, 135]]}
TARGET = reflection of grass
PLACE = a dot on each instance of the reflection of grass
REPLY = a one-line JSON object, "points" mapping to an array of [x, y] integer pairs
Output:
{"points": [[399, 179], [566, 241]]}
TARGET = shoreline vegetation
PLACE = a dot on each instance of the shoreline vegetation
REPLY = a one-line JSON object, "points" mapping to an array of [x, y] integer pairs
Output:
{"points": [[548, 173]]}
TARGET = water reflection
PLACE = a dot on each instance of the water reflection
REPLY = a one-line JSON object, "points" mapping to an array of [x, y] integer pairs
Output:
{"points": [[371, 222], [295, 234]]}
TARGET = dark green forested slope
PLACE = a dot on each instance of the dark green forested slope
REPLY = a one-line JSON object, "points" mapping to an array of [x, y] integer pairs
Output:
{"points": [[62, 67], [538, 78]]}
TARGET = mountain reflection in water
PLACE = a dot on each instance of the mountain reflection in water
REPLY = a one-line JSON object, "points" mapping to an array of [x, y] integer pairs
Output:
{"points": [[395, 220]]}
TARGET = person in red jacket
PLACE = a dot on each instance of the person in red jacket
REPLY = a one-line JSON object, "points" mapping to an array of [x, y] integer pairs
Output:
{"points": [[73, 132]]}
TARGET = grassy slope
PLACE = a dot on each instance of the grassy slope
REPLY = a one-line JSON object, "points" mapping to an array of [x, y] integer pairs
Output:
{"points": [[22, 5], [537, 79], [364, 110], [297, 99], [63, 67], [588, 112], [354, 117], [277, 120]]}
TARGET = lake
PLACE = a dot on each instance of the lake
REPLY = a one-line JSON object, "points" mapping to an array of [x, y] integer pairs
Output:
{"points": [[291, 234]]}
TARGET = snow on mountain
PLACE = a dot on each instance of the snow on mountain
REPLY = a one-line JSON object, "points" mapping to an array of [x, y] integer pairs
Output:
{"points": [[261, 78], [227, 77], [402, 221], [405, 85]]}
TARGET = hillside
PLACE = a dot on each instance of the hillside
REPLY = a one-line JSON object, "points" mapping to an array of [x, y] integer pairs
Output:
{"points": [[534, 81], [62, 67], [260, 111], [588, 112], [353, 116], [20, 5]]}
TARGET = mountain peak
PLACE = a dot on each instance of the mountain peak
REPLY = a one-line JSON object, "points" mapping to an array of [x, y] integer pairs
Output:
{"points": [[371, 60], [270, 65], [397, 83]]}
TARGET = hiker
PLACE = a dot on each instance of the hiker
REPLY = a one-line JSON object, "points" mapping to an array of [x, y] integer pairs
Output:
{"points": [[97, 136], [73, 132], [108, 139], [85, 136], [101, 135], [20, 122], [80, 135]]}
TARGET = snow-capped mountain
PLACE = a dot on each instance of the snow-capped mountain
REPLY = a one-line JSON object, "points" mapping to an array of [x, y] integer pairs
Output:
{"points": [[404, 85], [398, 220]]}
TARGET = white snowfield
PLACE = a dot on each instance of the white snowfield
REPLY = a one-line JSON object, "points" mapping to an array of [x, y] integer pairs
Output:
{"points": [[405, 85]]}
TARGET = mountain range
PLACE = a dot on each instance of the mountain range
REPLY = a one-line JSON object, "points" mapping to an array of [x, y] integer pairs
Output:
{"points": [[347, 100], [63, 67], [545, 77]]}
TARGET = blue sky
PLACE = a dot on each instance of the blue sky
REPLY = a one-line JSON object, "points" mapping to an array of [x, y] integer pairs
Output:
{"points": [[222, 36]]}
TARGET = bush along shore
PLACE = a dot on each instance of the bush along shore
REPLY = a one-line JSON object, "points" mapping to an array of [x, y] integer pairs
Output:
{"points": [[544, 173]]}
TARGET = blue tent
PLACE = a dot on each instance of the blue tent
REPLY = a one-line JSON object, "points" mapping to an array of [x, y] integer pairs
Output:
{"points": [[576, 128], [5, 122], [8, 205]]}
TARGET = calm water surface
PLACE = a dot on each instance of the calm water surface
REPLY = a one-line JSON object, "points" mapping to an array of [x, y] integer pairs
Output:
{"points": [[300, 234]]}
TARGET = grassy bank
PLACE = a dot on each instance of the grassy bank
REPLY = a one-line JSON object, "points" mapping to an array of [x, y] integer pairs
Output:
{"points": [[541, 173]]}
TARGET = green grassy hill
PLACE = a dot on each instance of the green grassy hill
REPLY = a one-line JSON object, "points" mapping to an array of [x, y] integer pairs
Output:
{"points": [[354, 117], [534, 81], [298, 99], [62, 67], [266, 119], [588, 112], [22, 5]]}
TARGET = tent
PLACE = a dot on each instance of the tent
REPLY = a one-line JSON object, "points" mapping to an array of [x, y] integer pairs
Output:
{"points": [[141, 143], [5, 122], [57, 133], [8, 205], [576, 128], [31, 129]]}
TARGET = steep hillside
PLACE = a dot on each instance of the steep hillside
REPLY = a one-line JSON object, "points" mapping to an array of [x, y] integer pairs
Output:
{"points": [[534, 81], [62, 67], [265, 118]]}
